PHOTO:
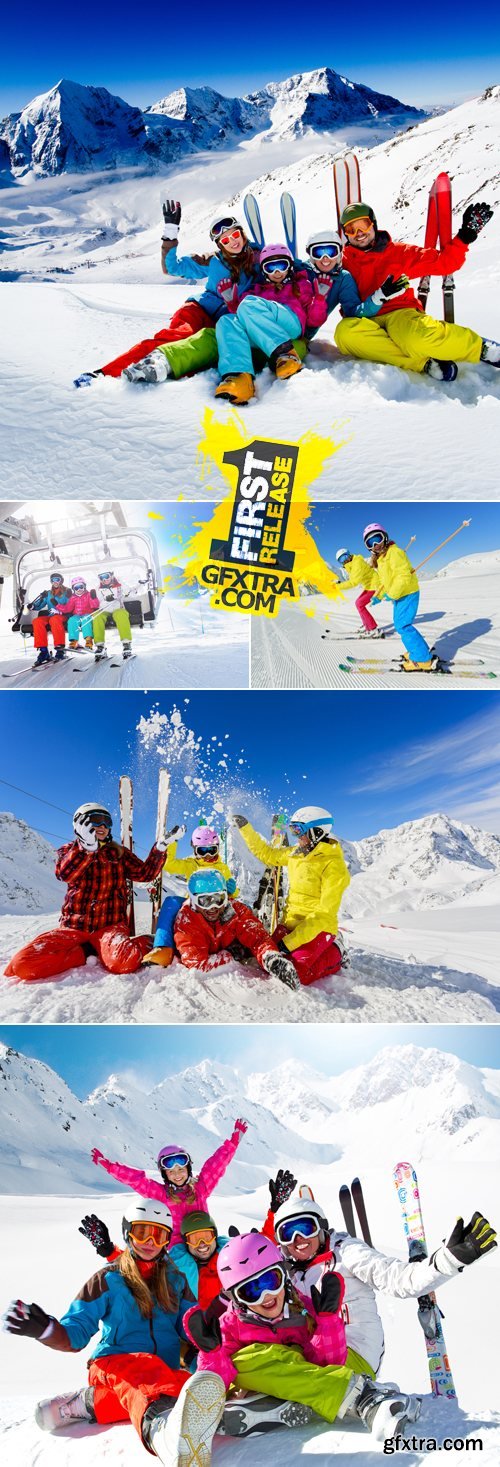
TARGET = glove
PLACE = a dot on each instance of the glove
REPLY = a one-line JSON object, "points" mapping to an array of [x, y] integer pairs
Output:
{"points": [[216, 960], [281, 1188], [321, 285], [26, 1319], [97, 1156], [241, 1126], [110, 596], [97, 1234], [175, 834], [474, 220], [231, 886], [171, 219], [280, 967], [471, 1242], [85, 835], [328, 1299], [228, 290], [240, 821], [204, 1326], [390, 288]]}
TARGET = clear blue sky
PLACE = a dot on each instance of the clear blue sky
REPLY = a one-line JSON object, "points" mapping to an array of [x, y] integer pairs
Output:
{"points": [[376, 759], [150, 1054], [444, 55]]}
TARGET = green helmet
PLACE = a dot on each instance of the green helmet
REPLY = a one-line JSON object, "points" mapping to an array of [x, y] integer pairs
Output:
{"points": [[192, 1222], [357, 211]]}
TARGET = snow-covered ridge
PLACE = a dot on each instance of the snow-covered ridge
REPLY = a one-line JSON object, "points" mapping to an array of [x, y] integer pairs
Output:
{"points": [[27, 881]]}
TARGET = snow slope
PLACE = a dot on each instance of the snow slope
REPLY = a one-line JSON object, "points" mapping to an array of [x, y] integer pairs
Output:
{"points": [[426, 440], [459, 615]]}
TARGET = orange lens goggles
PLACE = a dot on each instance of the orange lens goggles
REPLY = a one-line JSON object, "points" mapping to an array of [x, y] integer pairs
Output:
{"points": [[201, 1235], [362, 225], [142, 1232]]}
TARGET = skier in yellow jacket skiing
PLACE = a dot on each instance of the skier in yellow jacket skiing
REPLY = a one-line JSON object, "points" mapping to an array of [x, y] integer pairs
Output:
{"points": [[358, 572], [397, 580], [317, 876]]}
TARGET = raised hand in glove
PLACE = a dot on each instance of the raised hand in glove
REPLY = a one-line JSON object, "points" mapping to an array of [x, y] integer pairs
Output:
{"points": [[171, 219], [322, 285], [281, 1187], [471, 1242], [204, 1326], [85, 834], [328, 1299], [240, 821], [390, 288], [170, 837], [241, 1125], [96, 1231], [26, 1319], [474, 220], [97, 1156]]}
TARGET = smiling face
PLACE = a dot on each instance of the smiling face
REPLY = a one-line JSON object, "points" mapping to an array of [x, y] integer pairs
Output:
{"points": [[176, 1174], [202, 1250], [302, 1249], [270, 1306], [101, 831], [361, 234], [233, 242], [148, 1250]]}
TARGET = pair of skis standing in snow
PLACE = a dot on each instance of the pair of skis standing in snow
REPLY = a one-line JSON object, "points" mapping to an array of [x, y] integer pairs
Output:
{"points": [[74, 610], [286, 1317], [261, 303]]}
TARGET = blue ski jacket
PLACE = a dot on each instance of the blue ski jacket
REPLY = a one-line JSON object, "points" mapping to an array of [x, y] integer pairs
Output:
{"points": [[107, 1302], [211, 299]]}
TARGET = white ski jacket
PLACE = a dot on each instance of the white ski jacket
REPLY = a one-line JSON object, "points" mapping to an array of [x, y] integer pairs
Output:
{"points": [[113, 598], [365, 1270]]}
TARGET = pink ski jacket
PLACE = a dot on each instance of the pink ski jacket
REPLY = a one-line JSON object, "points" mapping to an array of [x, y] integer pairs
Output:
{"points": [[193, 1195], [321, 1338], [81, 605], [298, 294]]}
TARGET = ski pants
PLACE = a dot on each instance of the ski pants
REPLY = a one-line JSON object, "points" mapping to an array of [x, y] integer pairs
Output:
{"points": [[41, 626], [280, 1370], [313, 960], [188, 319], [52, 953], [257, 323], [193, 354], [164, 935], [403, 615], [77, 622], [362, 603], [122, 622], [407, 338], [125, 1385]]}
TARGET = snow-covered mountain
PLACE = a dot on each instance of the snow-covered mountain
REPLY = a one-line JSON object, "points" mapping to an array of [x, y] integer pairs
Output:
{"points": [[27, 881], [483, 563], [75, 128], [430, 862]]}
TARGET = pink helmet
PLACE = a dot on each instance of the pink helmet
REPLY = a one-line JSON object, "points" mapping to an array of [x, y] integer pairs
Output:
{"points": [[275, 252], [204, 835], [374, 530], [244, 1257]]}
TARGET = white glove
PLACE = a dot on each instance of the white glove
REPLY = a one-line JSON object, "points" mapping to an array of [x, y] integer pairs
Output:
{"points": [[171, 837], [217, 960], [85, 835]]}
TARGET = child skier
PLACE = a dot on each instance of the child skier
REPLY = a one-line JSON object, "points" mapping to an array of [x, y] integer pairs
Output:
{"points": [[79, 608], [396, 579], [318, 876], [273, 316], [359, 573], [205, 842], [208, 925], [50, 612], [98, 872], [139, 1303], [180, 1188], [402, 334], [110, 601]]}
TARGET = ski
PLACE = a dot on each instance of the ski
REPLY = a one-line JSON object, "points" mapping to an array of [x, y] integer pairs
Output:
{"points": [[279, 838], [161, 822], [252, 216], [386, 662], [126, 818], [347, 184], [130, 658], [445, 232], [430, 243], [289, 217], [379, 669], [359, 1203], [429, 1314], [345, 1200]]}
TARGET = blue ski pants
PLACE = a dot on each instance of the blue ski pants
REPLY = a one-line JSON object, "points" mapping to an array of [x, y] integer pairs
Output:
{"points": [[164, 935], [258, 322], [74, 624], [404, 613]]}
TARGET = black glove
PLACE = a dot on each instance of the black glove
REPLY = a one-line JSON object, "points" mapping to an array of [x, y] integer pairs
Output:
{"points": [[205, 1327], [281, 1188], [471, 1242], [328, 1299], [390, 286], [26, 1319], [240, 821], [172, 212], [474, 220], [97, 1233]]}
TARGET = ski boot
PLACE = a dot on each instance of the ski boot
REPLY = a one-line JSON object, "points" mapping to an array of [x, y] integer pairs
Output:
{"points": [[126, 650], [374, 634], [60, 1411], [253, 1412], [161, 957], [182, 1436], [383, 1409], [89, 643], [73, 646], [43, 657], [86, 379], [153, 368], [285, 362], [346, 961], [236, 387], [99, 652], [441, 371], [433, 664], [59, 654], [490, 352]]}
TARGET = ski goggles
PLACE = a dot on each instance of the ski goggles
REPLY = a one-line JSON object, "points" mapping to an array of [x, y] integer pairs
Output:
{"points": [[208, 899], [269, 1282], [200, 1235], [207, 850], [106, 575], [299, 828], [376, 539], [322, 251], [358, 226], [225, 239], [145, 1232], [78, 586], [100, 817], [224, 226], [181, 1158], [271, 267], [303, 1227]]}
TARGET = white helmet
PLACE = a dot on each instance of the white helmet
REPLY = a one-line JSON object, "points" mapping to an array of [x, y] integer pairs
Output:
{"points": [[328, 237], [94, 809], [311, 820], [299, 1207], [343, 554], [146, 1210]]}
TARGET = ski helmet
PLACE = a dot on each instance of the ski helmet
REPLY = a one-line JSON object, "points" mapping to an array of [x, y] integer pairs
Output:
{"points": [[56, 576], [205, 838], [343, 555], [311, 820], [147, 1210], [206, 889], [222, 223], [327, 238], [298, 1207], [169, 1154], [244, 1257], [357, 211], [78, 581], [98, 813], [375, 529], [275, 254], [194, 1222]]}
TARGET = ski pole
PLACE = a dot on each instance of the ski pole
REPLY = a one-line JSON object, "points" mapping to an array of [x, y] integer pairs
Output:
{"points": [[410, 542], [463, 526]]}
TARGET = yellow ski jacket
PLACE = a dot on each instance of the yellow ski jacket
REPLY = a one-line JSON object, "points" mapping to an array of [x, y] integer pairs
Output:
{"points": [[360, 574], [395, 576], [316, 885]]}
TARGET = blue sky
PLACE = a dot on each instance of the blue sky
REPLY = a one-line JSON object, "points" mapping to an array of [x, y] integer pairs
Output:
{"points": [[374, 759], [444, 55], [149, 1054]]}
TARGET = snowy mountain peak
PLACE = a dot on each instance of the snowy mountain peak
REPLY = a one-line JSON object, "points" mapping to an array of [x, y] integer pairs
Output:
{"points": [[27, 881]]}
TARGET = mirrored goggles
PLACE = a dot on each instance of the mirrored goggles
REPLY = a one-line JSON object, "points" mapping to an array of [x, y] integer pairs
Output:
{"points": [[358, 226], [78, 586], [208, 899], [331, 251], [207, 850], [222, 226], [298, 828], [305, 1227], [181, 1158], [200, 1235], [375, 539], [106, 575], [143, 1232], [225, 239], [269, 1282], [58, 579], [272, 267]]}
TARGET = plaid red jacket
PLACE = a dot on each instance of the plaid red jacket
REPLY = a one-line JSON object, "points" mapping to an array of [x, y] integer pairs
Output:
{"points": [[97, 883]]}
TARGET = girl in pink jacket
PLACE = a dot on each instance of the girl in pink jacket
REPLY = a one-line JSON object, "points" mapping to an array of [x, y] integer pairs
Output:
{"points": [[79, 608], [180, 1189], [283, 306]]}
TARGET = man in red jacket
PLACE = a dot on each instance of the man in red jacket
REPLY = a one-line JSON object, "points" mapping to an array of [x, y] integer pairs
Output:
{"points": [[402, 334], [208, 926]]}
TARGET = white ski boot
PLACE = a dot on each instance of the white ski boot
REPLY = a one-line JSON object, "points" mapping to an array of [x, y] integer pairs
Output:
{"points": [[383, 1409], [153, 368], [253, 1412], [375, 634], [99, 652], [126, 650], [490, 352], [66, 1410], [183, 1436]]}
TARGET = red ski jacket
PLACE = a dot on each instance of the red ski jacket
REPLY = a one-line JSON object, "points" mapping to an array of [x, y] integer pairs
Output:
{"points": [[196, 939], [97, 895], [389, 257]]}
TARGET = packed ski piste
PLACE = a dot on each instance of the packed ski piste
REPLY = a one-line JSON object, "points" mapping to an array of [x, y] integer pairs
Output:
{"points": [[262, 305], [205, 1333]]}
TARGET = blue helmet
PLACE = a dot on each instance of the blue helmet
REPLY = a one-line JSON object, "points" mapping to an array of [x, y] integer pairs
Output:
{"points": [[206, 889]]}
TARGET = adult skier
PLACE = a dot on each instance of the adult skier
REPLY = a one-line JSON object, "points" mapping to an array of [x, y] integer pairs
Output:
{"points": [[403, 335], [358, 572], [139, 1303], [317, 876], [209, 924], [180, 1188], [50, 609], [111, 597], [79, 612], [205, 842], [98, 872], [195, 1256], [396, 579]]}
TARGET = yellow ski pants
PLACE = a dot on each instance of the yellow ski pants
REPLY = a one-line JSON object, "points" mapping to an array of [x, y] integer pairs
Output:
{"points": [[407, 339]]}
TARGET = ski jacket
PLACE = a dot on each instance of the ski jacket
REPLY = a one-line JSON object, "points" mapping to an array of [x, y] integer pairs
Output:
{"points": [[107, 1302], [222, 293], [316, 885], [98, 883], [320, 1337], [202, 1278], [113, 597], [344, 293], [46, 601], [196, 939], [184, 265], [195, 1192], [389, 257], [364, 1270], [394, 575], [81, 605], [299, 295], [185, 865], [359, 573]]}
